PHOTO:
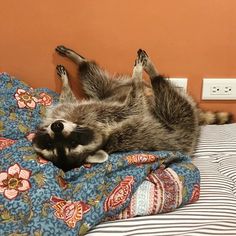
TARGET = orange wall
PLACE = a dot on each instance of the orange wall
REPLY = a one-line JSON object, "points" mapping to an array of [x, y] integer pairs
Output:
{"points": [[185, 38]]}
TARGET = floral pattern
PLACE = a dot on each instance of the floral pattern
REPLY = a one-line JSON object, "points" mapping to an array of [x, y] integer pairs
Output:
{"points": [[5, 142], [141, 158], [14, 181], [70, 212], [45, 99], [25, 99], [119, 194], [195, 194], [21, 107], [30, 136], [33, 192]]}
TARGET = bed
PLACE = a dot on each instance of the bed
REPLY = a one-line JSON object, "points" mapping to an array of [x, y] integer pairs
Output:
{"points": [[36, 198], [214, 213]]}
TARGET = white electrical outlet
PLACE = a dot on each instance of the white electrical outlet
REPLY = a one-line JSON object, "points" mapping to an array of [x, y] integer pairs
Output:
{"points": [[180, 83], [219, 89]]}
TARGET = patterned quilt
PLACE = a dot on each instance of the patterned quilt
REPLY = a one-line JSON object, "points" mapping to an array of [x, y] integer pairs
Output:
{"points": [[37, 198]]}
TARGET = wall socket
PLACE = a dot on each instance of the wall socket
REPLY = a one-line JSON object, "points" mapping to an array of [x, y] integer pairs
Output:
{"points": [[219, 89], [180, 83]]}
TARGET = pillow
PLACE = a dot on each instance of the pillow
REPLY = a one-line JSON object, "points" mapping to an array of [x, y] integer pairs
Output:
{"points": [[21, 107]]}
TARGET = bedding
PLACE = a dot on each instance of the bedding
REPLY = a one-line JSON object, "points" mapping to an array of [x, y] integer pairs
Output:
{"points": [[215, 211], [36, 198]]}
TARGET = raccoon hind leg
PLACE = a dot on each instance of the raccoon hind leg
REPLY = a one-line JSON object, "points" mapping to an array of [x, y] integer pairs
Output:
{"points": [[66, 92], [96, 82], [171, 107], [174, 109], [139, 63], [66, 52], [135, 99], [137, 85], [148, 66]]}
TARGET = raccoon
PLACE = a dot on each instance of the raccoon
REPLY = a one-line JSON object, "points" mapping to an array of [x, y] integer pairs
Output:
{"points": [[120, 113], [214, 118]]}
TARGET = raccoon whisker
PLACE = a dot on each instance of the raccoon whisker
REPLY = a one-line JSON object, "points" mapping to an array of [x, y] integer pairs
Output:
{"points": [[42, 129], [81, 130]]}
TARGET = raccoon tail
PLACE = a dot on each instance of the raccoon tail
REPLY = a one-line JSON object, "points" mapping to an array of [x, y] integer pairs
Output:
{"points": [[218, 118]]}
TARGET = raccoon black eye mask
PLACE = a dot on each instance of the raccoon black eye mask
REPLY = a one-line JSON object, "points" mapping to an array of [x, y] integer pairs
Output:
{"points": [[60, 144], [116, 116]]}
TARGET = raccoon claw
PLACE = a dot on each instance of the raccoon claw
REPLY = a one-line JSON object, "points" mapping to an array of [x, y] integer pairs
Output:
{"points": [[61, 71], [62, 50], [142, 53]]}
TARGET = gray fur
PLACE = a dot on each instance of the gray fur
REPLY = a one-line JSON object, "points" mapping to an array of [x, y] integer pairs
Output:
{"points": [[121, 114]]}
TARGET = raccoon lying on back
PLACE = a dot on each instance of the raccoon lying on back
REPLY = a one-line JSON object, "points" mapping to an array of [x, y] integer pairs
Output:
{"points": [[117, 116]]}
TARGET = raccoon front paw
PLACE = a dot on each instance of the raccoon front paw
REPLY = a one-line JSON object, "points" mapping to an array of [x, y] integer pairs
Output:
{"points": [[139, 64], [61, 71], [62, 50], [142, 57]]}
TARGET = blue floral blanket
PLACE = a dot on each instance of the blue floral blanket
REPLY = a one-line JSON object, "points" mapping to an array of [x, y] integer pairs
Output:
{"points": [[37, 198]]}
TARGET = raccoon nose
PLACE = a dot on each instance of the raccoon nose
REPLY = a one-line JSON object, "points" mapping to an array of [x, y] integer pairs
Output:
{"points": [[57, 127]]}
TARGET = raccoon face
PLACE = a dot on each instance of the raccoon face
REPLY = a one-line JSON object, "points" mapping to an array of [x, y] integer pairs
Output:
{"points": [[64, 143]]}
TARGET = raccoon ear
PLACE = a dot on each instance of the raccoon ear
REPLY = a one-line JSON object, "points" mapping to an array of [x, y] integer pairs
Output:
{"points": [[98, 157], [85, 135]]}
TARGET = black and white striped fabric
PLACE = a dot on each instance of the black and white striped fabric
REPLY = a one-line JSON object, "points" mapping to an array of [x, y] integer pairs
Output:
{"points": [[215, 211], [217, 139]]}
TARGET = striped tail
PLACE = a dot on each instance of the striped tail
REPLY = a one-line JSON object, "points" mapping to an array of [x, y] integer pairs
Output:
{"points": [[218, 118]]}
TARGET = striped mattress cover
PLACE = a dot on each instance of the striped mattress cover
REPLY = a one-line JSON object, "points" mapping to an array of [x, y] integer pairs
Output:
{"points": [[214, 213]]}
